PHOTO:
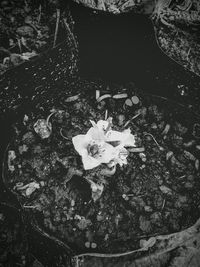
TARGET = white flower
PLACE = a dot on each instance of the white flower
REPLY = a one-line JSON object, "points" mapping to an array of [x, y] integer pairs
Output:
{"points": [[103, 145]]}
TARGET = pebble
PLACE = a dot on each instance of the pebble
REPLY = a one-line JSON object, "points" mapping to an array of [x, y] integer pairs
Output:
{"points": [[165, 189], [93, 245], [128, 102], [87, 244], [135, 100]]}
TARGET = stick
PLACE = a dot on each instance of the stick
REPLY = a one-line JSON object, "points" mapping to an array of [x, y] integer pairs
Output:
{"points": [[57, 25]]}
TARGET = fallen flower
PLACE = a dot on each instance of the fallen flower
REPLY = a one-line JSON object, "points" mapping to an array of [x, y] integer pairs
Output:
{"points": [[101, 144]]}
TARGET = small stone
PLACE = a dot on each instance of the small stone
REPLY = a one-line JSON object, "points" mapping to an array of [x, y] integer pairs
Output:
{"points": [[165, 189], [128, 102], [93, 245], [135, 100], [87, 244], [72, 203]]}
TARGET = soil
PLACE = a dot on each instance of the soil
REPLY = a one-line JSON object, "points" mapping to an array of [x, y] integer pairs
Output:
{"points": [[157, 192]]}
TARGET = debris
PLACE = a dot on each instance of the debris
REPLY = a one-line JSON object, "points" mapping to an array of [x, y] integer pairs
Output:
{"points": [[120, 96], [11, 157], [135, 100], [169, 155], [103, 97], [22, 149], [136, 149], [87, 244], [134, 117], [189, 155], [166, 129], [196, 130], [97, 94], [72, 98], [128, 102], [27, 189], [197, 164], [43, 129], [165, 189], [160, 147], [93, 245], [146, 244]]}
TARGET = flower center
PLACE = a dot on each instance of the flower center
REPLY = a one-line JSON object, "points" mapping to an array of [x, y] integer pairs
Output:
{"points": [[93, 150]]}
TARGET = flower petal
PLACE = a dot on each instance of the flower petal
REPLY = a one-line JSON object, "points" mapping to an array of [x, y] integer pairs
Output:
{"points": [[125, 138], [90, 162], [107, 153], [128, 138], [95, 134], [80, 143], [102, 125]]}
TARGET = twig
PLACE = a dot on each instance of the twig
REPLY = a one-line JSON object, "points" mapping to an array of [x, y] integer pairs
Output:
{"points": [[70, 32], [40, 13], [134, 117], [48, 118], [106, 114], [160, 147], [63, 135], [57, 25], [163, 205]]}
